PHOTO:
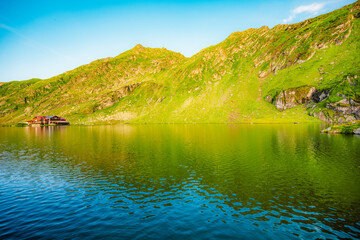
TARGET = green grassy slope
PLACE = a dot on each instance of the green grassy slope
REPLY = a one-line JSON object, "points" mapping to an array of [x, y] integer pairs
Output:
{"points": [[223, 83]]}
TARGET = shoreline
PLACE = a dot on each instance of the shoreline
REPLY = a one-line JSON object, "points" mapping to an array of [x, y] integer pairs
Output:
{"points": [[351, 128], [168, 123]]}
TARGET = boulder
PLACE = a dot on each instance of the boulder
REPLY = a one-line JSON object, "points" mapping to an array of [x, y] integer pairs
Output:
{"points": [[357, 131], [341, 95], [349, 118], [269, 99], [326, 130], [322, 116]]}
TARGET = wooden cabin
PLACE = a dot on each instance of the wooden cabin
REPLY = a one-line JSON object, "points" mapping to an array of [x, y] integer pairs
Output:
{"points": [[48, 120]]}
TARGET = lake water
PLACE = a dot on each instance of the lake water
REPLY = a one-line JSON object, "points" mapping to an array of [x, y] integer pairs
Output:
{"points": [[179, 182]]}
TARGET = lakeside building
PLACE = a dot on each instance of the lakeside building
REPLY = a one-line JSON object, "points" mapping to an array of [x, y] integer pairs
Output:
{"points": [[48, 120]]}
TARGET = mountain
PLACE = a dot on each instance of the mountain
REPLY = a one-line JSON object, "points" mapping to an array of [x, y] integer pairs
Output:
{"points": [[299, 72]]}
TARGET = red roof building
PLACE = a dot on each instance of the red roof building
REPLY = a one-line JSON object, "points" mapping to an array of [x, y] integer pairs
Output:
{"points": [[48, 120]]}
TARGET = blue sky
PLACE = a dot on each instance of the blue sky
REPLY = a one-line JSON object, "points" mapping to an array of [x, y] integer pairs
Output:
{"points": [[46, 38]]}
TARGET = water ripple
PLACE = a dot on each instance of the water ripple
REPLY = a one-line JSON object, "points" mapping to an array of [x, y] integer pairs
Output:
{"points": [[194, 182]]}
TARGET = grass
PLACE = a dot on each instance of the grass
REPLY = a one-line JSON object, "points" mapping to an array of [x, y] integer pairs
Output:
{"points": [[225, 83], [21, 125]]}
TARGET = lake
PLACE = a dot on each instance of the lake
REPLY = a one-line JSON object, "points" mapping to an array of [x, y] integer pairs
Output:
{"points": [[179, 181]]}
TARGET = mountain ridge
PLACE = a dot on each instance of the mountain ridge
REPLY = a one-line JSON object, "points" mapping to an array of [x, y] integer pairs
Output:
{"points": [[231, 81]]}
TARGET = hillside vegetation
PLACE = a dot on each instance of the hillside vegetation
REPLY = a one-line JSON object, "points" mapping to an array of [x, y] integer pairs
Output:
{"points": [[284, 74]]}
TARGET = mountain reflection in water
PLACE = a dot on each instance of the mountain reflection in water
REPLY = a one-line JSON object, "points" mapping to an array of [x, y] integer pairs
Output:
{"points": [[179, 181]]}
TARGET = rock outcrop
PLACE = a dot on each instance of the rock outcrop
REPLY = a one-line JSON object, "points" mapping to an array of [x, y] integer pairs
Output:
{"points": [[319, 96], [340, 112], [343, 111], [327, 115], [346, 107], [293, 97]]}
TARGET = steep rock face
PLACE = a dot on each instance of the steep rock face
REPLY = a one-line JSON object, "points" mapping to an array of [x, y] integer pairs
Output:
{"points": [[333, 117], [343, 111], [336, 107], [346, 106], [293, 97]]}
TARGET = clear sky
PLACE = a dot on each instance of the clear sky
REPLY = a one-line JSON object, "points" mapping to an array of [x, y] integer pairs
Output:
{"points": [[44, 38]]}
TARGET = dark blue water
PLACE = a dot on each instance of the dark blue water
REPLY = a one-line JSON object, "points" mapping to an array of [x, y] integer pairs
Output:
{"points": [[179, 182]]}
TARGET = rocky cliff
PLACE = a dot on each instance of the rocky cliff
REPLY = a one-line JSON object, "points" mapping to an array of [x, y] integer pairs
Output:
{"points": [[319, 104]]}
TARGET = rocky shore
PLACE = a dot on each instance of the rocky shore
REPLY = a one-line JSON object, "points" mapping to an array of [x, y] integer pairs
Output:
{"points": [[349, 128]]}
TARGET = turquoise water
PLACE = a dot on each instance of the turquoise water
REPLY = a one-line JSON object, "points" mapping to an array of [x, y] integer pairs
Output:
{"points": [[179, 182]]}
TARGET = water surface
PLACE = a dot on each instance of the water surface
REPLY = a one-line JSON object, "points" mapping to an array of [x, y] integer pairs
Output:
{"points": [[179, 182]]}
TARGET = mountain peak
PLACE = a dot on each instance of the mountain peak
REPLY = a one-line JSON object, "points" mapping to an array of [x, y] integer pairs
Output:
{"points": [[139, 46]]}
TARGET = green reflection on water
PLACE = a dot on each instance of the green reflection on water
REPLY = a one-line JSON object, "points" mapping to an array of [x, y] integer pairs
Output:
{"points": [[285, 170]]}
